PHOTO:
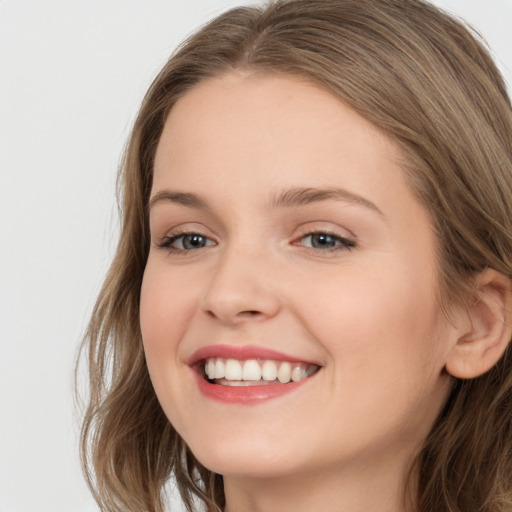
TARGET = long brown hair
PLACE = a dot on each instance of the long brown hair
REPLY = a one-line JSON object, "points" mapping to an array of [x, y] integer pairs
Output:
{"points": [[425, 81]]}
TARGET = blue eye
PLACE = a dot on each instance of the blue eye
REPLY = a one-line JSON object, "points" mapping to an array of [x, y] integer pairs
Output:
{"points": [[186, 242], [326, 241]]}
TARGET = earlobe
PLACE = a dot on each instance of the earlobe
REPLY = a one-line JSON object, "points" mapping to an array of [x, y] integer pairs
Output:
{"points": [[489, 329]]}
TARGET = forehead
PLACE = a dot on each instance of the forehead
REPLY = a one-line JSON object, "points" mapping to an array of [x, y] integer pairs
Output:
{"points": [[271, 125]]}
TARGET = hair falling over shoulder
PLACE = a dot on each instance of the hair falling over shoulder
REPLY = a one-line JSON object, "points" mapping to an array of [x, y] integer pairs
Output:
{"points": [[427, 82]]}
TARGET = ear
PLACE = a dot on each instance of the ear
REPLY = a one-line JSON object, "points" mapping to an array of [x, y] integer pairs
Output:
{"points": [[487, 329]]}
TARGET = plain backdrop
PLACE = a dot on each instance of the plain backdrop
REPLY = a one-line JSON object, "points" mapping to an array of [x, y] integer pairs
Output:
{"points": [[72, 74]]}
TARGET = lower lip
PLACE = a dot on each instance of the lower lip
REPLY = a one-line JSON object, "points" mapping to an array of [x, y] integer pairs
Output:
{"points": [[245, 394]]}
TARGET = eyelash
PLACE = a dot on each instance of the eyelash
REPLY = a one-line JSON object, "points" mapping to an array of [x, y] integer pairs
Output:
{"points": [[168, 241], [341, 243]]}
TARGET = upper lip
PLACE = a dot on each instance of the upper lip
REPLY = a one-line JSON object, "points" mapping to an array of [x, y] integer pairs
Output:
{"points": [[242, 353]]}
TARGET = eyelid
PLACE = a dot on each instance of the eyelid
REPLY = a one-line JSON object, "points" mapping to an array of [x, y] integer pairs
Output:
{"points": [[327, 228], [165, 242], [345, 243], [168, 228], [347, 240]]}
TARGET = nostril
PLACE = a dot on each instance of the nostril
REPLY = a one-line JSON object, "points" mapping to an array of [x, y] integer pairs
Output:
{"points": [[249, 314]]}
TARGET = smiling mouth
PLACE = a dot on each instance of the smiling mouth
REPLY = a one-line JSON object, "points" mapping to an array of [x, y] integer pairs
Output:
{"points": [[254, 372]]}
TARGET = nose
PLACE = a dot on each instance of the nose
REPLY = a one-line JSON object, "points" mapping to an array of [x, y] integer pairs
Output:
{"points": [[243, 288]]}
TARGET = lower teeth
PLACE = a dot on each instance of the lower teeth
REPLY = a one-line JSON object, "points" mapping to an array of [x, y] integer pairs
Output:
{"points": [[235, 383]]}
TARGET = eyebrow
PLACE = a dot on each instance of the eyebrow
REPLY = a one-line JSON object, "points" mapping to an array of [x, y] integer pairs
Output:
{"points": [[183, 198], [303, 196], [289, 198]]}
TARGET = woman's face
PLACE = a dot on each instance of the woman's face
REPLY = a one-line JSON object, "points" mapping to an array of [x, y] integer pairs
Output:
{"points": [[284, 234]]}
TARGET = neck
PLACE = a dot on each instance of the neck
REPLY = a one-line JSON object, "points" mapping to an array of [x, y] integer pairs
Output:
{"points": [[363, 487]]}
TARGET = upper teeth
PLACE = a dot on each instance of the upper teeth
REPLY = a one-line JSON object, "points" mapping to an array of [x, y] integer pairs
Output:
{"points": [[256, 370]]}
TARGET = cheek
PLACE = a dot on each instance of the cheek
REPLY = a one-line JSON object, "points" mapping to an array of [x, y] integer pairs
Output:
{"points": [[165, 310], [374, 322], [380, 331]]}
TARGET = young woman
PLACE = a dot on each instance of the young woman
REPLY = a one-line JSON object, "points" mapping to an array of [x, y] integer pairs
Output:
{"points": [[310, 305]]}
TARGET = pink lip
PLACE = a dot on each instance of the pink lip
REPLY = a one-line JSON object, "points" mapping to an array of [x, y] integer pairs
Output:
{"points": [[242, 394], [242, 353], [247, 395]]}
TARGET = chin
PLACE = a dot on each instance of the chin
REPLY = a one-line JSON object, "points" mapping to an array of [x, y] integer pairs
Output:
{"points": [[249, 466], [247, 457]]}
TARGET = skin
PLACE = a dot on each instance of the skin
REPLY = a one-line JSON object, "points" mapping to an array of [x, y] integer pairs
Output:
{"points": [[366, 314]]}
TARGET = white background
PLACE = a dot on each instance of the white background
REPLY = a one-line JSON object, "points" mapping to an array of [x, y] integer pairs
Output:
{"points": [[72, 74]]}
